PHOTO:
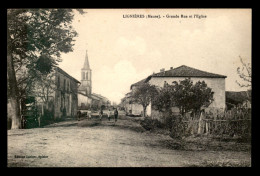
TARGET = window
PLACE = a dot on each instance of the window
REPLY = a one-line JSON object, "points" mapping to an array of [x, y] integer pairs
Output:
{"points": [[87, 75], [58, 83], [68, 87], [83, 75], [64, 84]]}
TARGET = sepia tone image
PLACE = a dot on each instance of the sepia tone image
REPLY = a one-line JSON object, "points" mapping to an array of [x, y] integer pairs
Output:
{"points": [[129, 87]]}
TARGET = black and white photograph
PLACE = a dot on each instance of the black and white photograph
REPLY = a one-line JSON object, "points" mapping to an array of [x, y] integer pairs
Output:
{"points": [[111, 88]]}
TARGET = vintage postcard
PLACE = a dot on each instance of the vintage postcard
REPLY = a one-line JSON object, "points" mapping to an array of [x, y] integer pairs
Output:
{"points": [[129, 87]]}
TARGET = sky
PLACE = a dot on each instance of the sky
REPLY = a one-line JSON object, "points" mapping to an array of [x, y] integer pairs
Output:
{"points": [[122, 51]]}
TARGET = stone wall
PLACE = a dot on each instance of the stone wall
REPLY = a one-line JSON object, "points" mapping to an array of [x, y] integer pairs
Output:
{"points": [[66, 98]]}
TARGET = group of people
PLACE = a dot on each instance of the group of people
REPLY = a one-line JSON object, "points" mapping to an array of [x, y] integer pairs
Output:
{"points": [[109, 114]]}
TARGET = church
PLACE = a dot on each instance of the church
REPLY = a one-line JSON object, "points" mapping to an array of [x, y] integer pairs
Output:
{"points": [[87, 99]]}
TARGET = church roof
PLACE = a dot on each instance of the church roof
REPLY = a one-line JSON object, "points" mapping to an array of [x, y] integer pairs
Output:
{"points": [[86, 63]]}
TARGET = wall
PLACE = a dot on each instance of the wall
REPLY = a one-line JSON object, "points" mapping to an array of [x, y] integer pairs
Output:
{"points": [[83, 99], [66, 98], [137, 109]]}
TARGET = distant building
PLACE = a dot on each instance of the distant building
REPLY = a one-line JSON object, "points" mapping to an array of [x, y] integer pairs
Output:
{"points": [[88, 99], [215, 81], [99, 100], [240, 98], [132, 108]]}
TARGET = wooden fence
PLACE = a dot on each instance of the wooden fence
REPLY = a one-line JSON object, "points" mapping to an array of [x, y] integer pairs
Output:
{"points": [[232, 122]]}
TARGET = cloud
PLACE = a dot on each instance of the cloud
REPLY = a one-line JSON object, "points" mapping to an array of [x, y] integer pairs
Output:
{"points": [[130, 47], [115, 83]]}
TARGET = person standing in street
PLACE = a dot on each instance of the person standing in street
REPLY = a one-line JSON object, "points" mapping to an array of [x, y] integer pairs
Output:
{"points": [[109, 114], [100, 114], [79, 115], [115, 114], [89, 114]]}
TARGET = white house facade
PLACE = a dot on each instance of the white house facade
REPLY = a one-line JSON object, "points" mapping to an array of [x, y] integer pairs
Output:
{"points": [[215, 81]]}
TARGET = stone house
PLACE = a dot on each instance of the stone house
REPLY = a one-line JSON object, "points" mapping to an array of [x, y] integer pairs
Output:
{"points": [[215, 81], [61, 98], [84, 101], [65, 94]]}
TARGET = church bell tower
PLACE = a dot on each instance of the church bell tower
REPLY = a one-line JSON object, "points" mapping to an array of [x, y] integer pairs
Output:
{"points": [[86, 80]]}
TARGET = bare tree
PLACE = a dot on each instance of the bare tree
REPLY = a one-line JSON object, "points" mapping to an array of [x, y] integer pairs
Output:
{"points": [[45, 87], [245, 73]]}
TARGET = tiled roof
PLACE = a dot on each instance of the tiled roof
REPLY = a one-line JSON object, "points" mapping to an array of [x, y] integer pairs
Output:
{"points": [[182, 71], [99, 96], [238, 97], [83, 94], [185, 71], [66, 74], [140, 82]]}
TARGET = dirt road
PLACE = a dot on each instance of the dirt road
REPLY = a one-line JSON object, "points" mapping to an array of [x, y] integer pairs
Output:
{"points": [[91, 143]]}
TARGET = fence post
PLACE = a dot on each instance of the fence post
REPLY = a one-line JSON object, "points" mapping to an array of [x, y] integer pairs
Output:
{"points": [[207, 127], [201, 127]]}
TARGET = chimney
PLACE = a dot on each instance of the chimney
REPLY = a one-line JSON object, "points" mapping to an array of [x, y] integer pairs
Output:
{"points": [[162, 70], [171, 68]]}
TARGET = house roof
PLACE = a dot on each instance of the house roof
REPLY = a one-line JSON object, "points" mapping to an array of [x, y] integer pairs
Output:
{"points": [[238, 97], [140, 82], [95, 97], [98, 96], [185, 71], [83, 94], [66, 74], [182, 71]]}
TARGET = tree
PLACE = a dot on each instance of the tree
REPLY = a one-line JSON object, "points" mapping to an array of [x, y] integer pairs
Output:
{"points": [[45, 87], [203, 96], [164, 99], [185, 95], [245, 73], [35, 40], [189, 97], [144, 94], [123, 102]]}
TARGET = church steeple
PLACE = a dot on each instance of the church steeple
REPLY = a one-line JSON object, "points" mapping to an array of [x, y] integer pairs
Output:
{"points": [[86, 63], [86, 80]]}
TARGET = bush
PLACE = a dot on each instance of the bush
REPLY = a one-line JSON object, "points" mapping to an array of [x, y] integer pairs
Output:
{"points": [[169, 120], [147, 123], [47, 118], [177, 129], [151, 124]]}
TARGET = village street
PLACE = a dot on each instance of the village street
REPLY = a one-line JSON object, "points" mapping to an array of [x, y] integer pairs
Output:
{"points": [[91, 143]]}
